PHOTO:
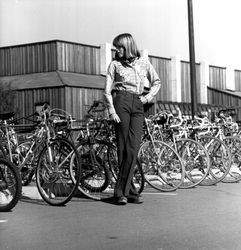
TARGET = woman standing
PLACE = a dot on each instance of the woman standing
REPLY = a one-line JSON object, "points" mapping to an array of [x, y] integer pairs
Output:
{"points": [[124, 89]]}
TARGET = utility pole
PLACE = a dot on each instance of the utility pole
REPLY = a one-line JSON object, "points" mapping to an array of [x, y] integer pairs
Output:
{"points": [[192, 60]]}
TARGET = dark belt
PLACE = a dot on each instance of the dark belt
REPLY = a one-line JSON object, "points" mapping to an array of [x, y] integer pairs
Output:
{"points": [[115, 92]]}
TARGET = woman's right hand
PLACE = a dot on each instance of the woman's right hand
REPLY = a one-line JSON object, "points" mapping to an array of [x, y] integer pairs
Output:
{"points": [[114, 117]]}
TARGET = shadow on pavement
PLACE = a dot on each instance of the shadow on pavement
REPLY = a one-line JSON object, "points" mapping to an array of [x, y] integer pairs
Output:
{"points": [[26, 199]]}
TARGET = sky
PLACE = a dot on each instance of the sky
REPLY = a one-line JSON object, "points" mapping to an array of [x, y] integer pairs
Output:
{"points": [[160, 26]]}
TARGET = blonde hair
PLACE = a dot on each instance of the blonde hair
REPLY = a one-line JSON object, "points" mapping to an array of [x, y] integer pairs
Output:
{"points": [[127, 42]]}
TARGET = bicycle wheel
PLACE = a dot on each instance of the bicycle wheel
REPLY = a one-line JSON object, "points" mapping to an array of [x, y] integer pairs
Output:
{"points": [[196, 162], [220, 158], [95, 175], [162, 166], [10, 185], [234, 145], [57, 178]]}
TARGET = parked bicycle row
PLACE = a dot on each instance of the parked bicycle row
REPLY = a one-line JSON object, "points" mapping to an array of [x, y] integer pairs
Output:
{"points": [[209, 151], [54, 161], [68, 157]]}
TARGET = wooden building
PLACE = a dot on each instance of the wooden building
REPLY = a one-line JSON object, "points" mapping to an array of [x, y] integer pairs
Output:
{"points": [[71, 76], [67, 75]]}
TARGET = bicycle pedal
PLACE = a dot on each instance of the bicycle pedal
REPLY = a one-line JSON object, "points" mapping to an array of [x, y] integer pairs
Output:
{"points": [[3, 185]]}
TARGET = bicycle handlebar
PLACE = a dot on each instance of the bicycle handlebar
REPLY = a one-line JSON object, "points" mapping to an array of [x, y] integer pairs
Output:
{"points": [[96, 104]]}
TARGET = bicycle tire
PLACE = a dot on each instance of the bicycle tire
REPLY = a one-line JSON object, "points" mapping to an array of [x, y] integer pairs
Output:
{"points": [[162, 166], [57, 181], [95, 177], [234, 145], [10, 185], [196, 162], [220, 158]]}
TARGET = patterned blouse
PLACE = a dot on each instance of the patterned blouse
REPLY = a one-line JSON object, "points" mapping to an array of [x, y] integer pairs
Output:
{"points": [[132, 79]]}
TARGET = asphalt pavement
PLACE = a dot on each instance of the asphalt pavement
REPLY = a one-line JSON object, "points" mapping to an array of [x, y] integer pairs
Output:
{"points": [[205, 217]]}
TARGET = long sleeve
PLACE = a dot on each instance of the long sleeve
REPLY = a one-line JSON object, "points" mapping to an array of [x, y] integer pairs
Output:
{"points": [[154, 81], [109, 84], [131, 79]]}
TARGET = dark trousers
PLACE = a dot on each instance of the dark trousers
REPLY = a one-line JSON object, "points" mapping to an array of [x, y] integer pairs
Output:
{"points": [[128, 134]]}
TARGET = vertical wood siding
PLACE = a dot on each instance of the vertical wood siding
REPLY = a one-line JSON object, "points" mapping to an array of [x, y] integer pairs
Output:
{"points": [[217, 77], [74, 100], [49, 56], [78, 58], [217, 97], [237, 75], [26, 100], [163, 69], [186, 83], [80, 99], [26, 59]]}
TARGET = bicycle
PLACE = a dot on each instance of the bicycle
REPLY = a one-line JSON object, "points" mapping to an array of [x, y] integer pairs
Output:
{"points": [[57, 166], [224, 128], [220, 157], [174, 132], [16, 149], [162, 166], [10, 185]]}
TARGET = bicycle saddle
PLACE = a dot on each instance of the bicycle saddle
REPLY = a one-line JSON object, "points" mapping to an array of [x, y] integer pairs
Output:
{"points": [[7, 116]]}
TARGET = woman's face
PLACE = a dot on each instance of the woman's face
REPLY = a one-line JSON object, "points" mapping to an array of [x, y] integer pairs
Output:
{"points": [[119, 51]]}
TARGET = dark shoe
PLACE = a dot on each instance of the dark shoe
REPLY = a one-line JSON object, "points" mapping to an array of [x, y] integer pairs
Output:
{"points": [[121, 200], [135, 199]]}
